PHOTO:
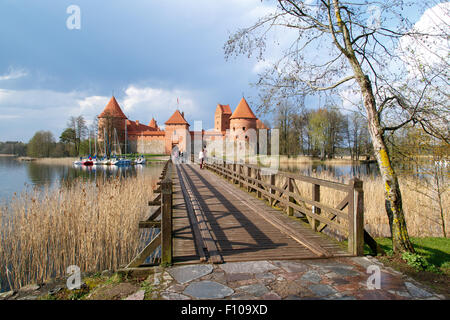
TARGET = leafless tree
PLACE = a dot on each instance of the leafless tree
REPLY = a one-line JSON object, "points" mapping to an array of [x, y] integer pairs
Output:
{"points": [[371, 48]]}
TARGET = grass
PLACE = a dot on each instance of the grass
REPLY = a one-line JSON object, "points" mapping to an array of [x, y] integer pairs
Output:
{"points": [[93, 226], [435, 250]]}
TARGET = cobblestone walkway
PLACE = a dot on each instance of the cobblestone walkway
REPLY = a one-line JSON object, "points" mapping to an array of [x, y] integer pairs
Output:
{"points": [[340, 278]]}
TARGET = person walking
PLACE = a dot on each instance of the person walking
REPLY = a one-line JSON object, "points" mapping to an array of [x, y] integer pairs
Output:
{"points": [[201, 156]]}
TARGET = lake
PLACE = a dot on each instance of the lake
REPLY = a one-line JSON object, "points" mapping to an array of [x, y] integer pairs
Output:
{"points": [[339, 170], [16, 176]]}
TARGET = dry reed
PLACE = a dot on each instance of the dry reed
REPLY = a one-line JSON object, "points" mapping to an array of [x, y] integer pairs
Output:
{"points": [[93, 226], [419, 203]]}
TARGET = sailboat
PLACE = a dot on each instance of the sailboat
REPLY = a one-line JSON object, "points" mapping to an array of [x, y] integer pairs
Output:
{"points": [[140, 160], [88, 161], [120, 161], [96, 161], [105, 160]]}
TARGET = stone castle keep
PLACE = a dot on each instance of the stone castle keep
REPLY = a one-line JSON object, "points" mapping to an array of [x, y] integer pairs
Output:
{"points": [[150, 139]]}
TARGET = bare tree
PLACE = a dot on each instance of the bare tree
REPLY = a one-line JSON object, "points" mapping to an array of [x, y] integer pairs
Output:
{"points": [[365, 45]]}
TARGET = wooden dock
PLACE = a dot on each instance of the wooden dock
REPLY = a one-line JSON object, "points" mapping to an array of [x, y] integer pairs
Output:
{"points": [[227, 212]]}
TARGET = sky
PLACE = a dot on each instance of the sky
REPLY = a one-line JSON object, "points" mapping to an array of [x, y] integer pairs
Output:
{"points": [[147, 53]]}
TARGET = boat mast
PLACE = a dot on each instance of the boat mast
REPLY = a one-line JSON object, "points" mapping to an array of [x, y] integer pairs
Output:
{"points": [[104, 140], [126, 136], [89, 143]]}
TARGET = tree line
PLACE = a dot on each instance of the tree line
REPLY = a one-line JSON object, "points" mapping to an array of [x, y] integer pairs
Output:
{"points": [[73, 141], [325, 132]]}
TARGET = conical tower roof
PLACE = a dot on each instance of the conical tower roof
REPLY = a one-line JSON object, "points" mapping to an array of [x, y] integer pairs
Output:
{"points": [[152, 123], [176, 118], [243, 111], [113, 110]]}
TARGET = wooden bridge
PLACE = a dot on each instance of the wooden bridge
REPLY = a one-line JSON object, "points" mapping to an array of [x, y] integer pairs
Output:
{"points": [[239, 212]]}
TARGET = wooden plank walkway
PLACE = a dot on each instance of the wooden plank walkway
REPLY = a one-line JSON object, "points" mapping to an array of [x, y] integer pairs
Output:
{"points": [[242, 227]]}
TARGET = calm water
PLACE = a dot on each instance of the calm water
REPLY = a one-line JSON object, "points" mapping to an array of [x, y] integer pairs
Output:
{"points": [[16, 176], [338, 170]]}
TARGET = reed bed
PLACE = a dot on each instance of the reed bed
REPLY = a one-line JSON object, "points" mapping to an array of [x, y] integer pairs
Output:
{"points": [[93, 226], [420, 204]]}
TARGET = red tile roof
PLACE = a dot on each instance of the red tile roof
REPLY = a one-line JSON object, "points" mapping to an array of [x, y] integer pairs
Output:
{"points": [[176, 118], [225, 108], [112, 109], [147, 133], [135, 126], [243, 111]]}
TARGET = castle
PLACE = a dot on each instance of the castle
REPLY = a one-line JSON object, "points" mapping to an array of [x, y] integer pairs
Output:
{"points": [[136, 137]]}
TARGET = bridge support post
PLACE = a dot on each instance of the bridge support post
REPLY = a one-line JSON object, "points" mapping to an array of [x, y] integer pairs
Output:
{"points": [[289, 209], [249, 175], [166, 218], [272, 191], [241, 175], [356, 218], [258, 177], [315, 197]]}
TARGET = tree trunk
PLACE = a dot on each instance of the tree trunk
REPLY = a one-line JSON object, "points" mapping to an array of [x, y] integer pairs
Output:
{"points": [[392, 194]]}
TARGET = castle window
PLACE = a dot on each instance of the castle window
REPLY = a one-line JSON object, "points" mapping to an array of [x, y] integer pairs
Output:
{"points": [[243, 128], [234, 128]]}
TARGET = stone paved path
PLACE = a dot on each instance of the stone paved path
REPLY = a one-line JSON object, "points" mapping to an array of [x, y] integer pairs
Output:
{"points": [[339, 278]]}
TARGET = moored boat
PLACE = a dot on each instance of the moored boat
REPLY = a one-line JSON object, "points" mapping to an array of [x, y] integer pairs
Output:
{"points": [[140, 160]]}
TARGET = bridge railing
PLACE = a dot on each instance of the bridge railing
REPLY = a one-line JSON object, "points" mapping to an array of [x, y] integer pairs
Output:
{"points": [[160, 218], [281, 189]]}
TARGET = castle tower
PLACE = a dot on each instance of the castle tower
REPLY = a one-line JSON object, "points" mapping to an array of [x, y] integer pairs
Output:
{"points": [[222, 118], [153, 124], [242, 119], [111, 118], [176, 132]]}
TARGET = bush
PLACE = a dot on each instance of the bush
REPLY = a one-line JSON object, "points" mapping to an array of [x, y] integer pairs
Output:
{"points": [[419, 263]]}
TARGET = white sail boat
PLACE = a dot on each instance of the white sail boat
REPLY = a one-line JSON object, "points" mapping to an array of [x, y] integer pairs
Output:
{"points": [[121, 161]]}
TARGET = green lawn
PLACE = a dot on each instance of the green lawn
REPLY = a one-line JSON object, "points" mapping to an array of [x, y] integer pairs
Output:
{"points": [[435, 250]]}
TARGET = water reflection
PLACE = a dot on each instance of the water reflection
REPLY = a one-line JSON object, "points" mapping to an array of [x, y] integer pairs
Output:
{"points": [[16, 176], [337, 170]]}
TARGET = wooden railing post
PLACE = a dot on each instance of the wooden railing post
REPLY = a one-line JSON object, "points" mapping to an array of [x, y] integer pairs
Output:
{"points": [[249, 175], [315, 197], [290, 209], [240, 175], [259, 178], [356, 218], [272, 191], [166, 217]]}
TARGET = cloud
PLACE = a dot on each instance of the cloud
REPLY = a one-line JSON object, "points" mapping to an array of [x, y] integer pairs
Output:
{"points": [[351, 99], [13, 74], [23, 112], [424, 53], [147, 102]]}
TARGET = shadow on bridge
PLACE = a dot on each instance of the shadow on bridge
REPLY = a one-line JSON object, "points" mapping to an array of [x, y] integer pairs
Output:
{"points": [[230, 223]]}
